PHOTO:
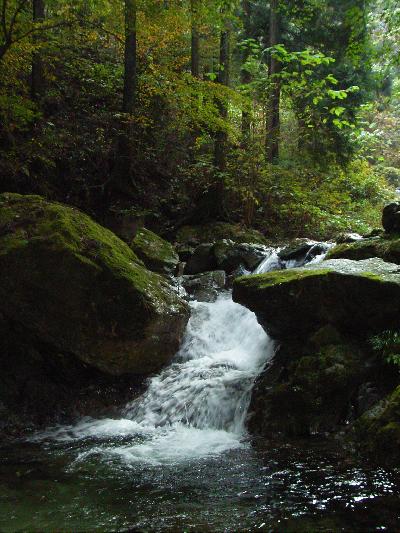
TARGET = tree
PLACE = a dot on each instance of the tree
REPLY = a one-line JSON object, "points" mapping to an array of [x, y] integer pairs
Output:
{"points": [[245, 76], [273, 119], [130, 81], [223, 78], [195, 39], [37, 81]]}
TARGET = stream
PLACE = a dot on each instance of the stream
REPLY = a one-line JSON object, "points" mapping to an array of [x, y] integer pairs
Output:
{"points": [[179, 458]]}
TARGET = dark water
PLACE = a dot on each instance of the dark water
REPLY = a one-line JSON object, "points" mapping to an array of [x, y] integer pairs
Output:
{"points": [[265, 488]]}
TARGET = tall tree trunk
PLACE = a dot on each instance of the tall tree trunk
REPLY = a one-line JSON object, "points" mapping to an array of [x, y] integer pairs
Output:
{"points": [[122, 180], [245, 76], [223, 79], [130, 81], [37, 81], [195, 45], [273, 122]]}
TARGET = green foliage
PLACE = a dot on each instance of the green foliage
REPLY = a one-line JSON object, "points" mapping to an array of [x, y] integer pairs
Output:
{"points": [[387, 345]]}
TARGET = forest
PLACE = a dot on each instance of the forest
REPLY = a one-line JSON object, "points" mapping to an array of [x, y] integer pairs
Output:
{"points": [[278, 117], [199, 265]]}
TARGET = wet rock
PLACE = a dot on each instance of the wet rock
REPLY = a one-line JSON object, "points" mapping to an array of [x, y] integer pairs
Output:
{"points": [[306, 390], [391, 218], [377, 432], [231, 256], [300, 249], [156, 253], [356, 297], [225, 255], [367, 396], [205, 287], [202, 260]]}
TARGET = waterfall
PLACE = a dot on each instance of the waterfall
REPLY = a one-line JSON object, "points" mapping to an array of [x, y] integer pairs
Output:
{"points": [[196, 406]]}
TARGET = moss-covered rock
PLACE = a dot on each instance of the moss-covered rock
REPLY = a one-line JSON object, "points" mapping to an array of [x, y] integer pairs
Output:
{"points": [[377, 432], [309, 390], [356, 297], [80, 291], [156, 253], [386, 247]]}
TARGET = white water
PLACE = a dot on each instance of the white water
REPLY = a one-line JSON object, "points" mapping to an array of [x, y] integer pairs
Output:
{"points": [[197, 406]]}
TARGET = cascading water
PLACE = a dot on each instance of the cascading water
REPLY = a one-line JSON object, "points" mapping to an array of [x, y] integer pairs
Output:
{"points": [[197, 406], [177, 458]]}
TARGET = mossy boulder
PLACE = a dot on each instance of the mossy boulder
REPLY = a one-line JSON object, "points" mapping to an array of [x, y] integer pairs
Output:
{"points": [[377, 432], [306, 390], [386, 247], [156, 253], [356, 297], [80, 291]]}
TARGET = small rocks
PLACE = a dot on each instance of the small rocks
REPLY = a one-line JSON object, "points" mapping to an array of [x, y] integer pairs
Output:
{"points": [[204, 287]]}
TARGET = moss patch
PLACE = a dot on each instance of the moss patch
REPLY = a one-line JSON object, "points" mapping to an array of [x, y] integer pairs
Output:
{"points": [[156, 253], [377, 432], [386, 247]]}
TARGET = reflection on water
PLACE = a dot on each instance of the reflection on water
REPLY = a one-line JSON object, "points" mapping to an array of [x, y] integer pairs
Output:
{"points": [[271, 488]]}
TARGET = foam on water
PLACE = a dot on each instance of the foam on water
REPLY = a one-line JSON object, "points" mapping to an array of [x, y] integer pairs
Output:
{"points": [[195, 407]]}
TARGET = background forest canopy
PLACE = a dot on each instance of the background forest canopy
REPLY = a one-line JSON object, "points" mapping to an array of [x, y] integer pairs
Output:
{"points": [[280, 115]]}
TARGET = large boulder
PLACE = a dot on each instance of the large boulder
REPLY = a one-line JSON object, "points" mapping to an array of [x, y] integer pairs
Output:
{"points": [[302, 250], [356, 297], [230, 256], [77, 289], [307, 389], [156, 253]]}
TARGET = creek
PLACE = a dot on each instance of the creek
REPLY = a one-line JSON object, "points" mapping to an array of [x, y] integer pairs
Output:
{"points": [[179, 457]]}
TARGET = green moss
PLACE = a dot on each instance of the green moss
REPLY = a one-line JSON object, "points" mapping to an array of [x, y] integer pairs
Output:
{"points": [[263, 281], [156, 253], [371, 276], [317, 393], [377, 432], [387, 248]]}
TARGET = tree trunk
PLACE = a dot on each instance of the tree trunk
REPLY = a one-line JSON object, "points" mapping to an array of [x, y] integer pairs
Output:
{"points": [[122, 182], [245, 77], [195, 45], [273, 122], [37, 81], [223, 79], [130, 81]]}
